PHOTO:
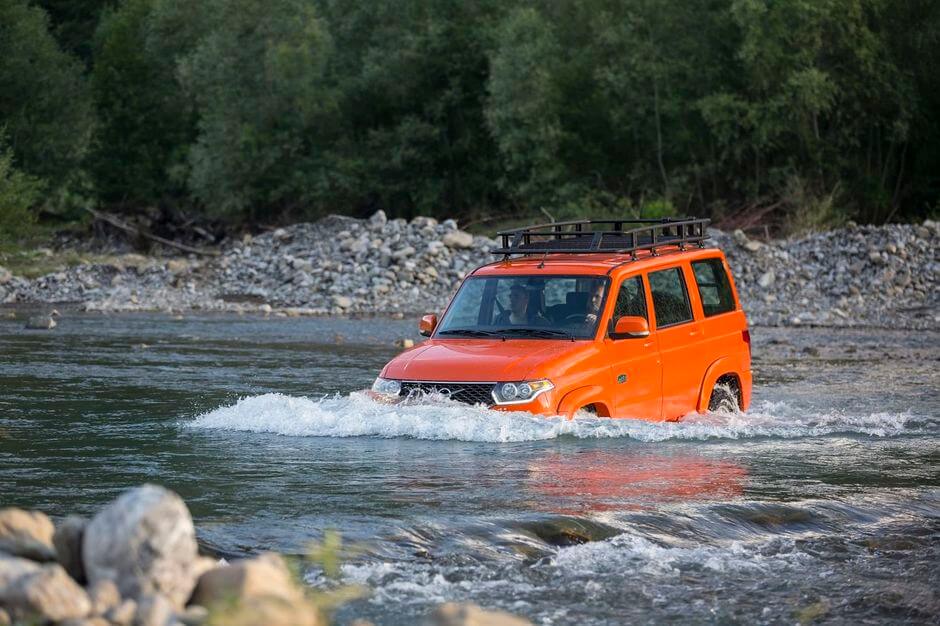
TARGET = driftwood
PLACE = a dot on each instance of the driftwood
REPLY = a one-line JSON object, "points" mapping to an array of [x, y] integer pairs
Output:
{"points": [[118, 223]]}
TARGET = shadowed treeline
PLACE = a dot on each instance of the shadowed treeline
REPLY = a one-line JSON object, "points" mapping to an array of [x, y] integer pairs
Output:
{"points": [[799, 113]]}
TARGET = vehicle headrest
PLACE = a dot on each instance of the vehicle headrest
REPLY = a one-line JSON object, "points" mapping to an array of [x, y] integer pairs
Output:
{"points": [[577, 299]]}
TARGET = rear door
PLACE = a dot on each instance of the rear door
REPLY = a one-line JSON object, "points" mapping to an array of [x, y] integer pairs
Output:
{"points": [[634, 363], [678, 334]]}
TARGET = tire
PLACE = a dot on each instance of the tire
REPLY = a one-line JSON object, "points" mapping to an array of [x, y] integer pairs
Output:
{"points": [[724, 397]]}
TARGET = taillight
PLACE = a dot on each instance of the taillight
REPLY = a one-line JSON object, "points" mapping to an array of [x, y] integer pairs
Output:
{"points": [[746, 336]]}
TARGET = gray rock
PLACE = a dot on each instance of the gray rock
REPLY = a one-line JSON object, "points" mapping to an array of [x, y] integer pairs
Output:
{"points": [[27, 534], [145, 542], [458, 239], [154, 610], [67, 540], [766, 279], [123, 614], [378, 220]]}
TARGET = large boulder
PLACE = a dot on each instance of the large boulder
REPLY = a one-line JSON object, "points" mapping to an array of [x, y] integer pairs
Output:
{"points": [[27, 534], [264, 576], [40, 592], [145, 542]]}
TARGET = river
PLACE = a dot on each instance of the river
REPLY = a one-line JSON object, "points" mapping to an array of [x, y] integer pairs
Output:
{"points": [[820, 503]]}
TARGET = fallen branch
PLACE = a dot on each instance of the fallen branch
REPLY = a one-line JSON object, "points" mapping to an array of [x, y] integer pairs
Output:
{"points": [[117, 223]]}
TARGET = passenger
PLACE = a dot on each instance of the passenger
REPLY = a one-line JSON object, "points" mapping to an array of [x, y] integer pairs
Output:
{"points": [[518, 311], [594, 305]]}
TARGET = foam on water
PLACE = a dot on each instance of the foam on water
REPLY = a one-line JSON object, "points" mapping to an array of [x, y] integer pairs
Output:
{"points": [[357, 415]]}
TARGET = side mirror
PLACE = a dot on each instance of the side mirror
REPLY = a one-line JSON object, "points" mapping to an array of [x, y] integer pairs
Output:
{"points": [[630, 327], [427, 325]]}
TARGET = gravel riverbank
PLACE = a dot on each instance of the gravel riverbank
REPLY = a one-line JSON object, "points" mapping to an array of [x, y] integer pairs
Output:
{"points": [[883, 276]]}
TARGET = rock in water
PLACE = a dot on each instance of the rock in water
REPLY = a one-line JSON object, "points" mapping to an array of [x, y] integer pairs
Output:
{"points": [[68, 545], [453, 614], [27, 534], [145, 542], [46, 592], [264, 576], [43, 322]]}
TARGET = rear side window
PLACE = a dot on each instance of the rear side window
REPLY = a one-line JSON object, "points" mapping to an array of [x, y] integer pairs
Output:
{"points": [[631, 301], [670, 298], [713, 286]]}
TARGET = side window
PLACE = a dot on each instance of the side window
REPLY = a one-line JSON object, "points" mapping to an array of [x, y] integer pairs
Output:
{"points": [[631, 300], [670, 299], [713, 286]]}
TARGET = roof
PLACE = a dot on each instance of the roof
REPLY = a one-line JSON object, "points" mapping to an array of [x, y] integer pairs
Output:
{"points": [[592, 264]]}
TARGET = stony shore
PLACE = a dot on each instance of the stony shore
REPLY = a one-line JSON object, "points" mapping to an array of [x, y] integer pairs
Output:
{"points": [[883, 276], [137, 563]]}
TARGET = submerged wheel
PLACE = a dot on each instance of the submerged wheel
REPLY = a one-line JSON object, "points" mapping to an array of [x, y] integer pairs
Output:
{"points": [[725, 396]]}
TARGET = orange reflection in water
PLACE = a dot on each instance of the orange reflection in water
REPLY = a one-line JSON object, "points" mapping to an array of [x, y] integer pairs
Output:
{"points": [[607, 480]]}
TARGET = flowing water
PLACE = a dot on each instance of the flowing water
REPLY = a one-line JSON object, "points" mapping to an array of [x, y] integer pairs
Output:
{"points": [[821, 503]]}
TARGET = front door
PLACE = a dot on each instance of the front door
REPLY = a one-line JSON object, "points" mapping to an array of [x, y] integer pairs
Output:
{"points": [[634, 363], [679, 336]]}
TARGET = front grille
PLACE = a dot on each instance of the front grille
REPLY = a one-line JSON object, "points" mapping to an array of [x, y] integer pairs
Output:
{"points": [[468, 393]]}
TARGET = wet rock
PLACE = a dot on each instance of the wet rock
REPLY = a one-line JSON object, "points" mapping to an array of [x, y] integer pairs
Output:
{"points": [[466, 614], [145, 542], [46, 593], [67, 540], [27, 534], [264, 576]]}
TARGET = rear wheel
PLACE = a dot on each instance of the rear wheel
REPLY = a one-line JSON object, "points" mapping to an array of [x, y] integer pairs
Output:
{"points": [[726, 395]]}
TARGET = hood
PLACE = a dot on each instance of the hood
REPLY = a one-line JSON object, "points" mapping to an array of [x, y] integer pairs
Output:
{"points": [[471, 360]]}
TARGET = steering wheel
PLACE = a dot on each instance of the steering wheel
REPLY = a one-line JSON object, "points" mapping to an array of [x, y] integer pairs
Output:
{"points": [[580, 318]]}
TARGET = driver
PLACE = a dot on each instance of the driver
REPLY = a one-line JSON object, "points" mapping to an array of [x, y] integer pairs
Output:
{"points": [[594, 305]]}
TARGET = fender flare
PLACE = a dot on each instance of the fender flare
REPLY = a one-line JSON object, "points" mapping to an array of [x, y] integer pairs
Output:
{"points": [[582, 396], [722, 366]]}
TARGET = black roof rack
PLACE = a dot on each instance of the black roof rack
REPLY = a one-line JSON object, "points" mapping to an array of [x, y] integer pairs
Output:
{"points": [[593, 236]]}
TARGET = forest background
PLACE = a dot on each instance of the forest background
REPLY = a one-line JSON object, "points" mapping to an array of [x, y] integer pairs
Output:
{"points": [[245, 113]]}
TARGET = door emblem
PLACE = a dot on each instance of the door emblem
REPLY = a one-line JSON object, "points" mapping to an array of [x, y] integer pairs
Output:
{"points": [[622, 379]]}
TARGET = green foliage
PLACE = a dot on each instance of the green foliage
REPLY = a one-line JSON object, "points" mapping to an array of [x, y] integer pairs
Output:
{"points": [[257, 80], [19, 192], [263, 111], [44, 102]]}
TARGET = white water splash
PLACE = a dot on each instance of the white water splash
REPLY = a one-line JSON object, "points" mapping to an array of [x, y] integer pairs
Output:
{"points": [[357, 415]]}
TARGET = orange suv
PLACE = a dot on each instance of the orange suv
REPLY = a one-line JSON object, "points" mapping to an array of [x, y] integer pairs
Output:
{"points": [[640, 322]]}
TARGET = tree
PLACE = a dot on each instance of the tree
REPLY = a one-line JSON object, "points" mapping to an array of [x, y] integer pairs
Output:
{"points": [[44, 102]]}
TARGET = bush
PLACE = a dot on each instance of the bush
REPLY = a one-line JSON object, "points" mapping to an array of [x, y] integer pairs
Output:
{"points": [[19, 192]]}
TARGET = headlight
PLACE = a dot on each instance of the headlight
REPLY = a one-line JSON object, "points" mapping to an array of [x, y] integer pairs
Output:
{"points": [[521, 392], [386, 387]]}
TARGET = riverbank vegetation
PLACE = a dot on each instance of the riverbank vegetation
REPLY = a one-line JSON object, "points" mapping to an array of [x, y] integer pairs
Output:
{"points": [[794, 113]]}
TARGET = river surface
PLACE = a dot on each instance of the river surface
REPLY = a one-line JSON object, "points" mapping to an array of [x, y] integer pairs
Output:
{"points": [[822, 503]]}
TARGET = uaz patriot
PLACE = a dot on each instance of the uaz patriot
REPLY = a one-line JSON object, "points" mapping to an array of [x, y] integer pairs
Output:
{"points": [[626, 319]]}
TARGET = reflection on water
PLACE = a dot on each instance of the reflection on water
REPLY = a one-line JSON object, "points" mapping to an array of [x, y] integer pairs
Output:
{"points": [[614, 480], [825, 495]]}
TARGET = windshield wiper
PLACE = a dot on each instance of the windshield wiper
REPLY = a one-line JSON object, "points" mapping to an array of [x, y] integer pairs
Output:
{"points": [[469, 332], [537, 332]]}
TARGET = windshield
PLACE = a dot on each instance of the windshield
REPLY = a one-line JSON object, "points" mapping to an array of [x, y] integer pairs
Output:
{"points": [[539, 307]]}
